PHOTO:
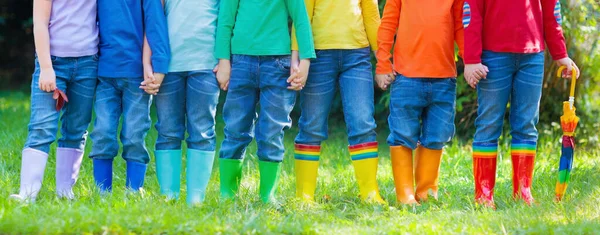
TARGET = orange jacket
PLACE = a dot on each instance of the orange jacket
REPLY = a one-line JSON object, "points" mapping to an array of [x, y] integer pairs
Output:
{"points": [[425, 32]]}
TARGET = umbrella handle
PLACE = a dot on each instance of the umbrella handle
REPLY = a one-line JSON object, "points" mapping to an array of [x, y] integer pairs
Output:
{"points": [[573, 83]]}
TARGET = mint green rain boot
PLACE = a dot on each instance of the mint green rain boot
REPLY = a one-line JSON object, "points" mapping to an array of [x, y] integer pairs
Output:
{"points": [[199, 169], [168, 171]]}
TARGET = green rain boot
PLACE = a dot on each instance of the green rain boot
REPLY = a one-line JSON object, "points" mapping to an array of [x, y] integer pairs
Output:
{"points": [[231, 175], [168, 172], [199, 167], [269, 175]]}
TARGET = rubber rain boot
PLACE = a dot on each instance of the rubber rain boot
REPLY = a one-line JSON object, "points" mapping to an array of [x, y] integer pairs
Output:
{"points": [[484, 172], [402, 167], [523, 161], [198, 171], [307, 167], [427, 171], [269, 177], [103, 174], [68, 164], [33, 166], [230, 171], [168, 172], [365, 161], [136, 171]]}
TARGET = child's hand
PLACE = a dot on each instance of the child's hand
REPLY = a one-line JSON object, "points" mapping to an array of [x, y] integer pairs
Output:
{"points": [[47, 80], [151, 82], [567, 62], [384, 80], [474, 73], [299, 76], [223, 71]]}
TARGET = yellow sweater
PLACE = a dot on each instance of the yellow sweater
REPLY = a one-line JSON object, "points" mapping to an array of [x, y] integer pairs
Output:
{"points": [[342, 24]]}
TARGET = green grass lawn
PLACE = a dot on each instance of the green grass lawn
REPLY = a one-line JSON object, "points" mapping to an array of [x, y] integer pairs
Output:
{"points": [[341, 213]]}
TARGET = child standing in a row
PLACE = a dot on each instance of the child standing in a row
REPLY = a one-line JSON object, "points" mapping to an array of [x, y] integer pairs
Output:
{"points": [[253, 46], [423, 80], [66, 42], [188, 98], [342, 39], [123, 25], [505, 43]]}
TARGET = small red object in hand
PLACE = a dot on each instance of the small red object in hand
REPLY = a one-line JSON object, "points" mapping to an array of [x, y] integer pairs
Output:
{"points": [[60, 98]]}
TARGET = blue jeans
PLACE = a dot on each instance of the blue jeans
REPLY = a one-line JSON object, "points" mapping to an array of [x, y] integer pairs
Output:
{"points": [[77, 77], [195, 95], [516, 78], [351, 71], [116, 97], [422, 112], [258, 80]]}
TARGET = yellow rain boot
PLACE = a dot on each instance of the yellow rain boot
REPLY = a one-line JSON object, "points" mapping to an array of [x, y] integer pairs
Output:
{"points": [[427, 171], [307, 166], [402, 167], [365, 161]]}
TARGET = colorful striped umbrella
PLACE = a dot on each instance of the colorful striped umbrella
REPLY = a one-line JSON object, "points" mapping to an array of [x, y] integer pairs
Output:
{"points": [[568, 122]]}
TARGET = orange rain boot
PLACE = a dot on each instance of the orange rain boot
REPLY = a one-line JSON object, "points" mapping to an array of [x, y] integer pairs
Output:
{"points": [[427, 171], [402, 167]]}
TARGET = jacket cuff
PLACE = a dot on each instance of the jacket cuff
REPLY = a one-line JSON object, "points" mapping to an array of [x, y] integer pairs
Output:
{"points": [[308, 54], [160, 64], [560, 56], [472, 61]]}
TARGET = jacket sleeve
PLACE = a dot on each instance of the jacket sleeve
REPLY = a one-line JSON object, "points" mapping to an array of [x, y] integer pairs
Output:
{"points": [[310, 7], [155, 27], [372, 20], [459, 30], [472, 21], [225, 23], [303, 32], [385, 35], [553, 34]]}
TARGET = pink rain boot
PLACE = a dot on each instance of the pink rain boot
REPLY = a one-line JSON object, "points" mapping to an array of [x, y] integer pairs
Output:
{"points": [[68, 162], [33, 165]]}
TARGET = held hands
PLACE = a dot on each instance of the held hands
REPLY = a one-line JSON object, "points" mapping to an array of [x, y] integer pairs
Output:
{"points": [[47, 80], [385, 80], [298, 73], [570, 65], [223, 71], [474, 73], [152, 80]]}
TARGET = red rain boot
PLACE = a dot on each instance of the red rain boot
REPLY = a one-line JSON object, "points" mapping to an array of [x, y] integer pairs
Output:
{"points": [[523, 177], [484, 171]]}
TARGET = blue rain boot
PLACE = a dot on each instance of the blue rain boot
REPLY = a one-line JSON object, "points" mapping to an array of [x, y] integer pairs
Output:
{"points": [[103, 169], [168, 172], [135, 175], [199, 168]]}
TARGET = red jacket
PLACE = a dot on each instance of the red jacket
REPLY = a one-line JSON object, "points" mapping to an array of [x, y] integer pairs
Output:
{"points": [[516, 26]]}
